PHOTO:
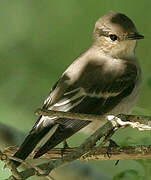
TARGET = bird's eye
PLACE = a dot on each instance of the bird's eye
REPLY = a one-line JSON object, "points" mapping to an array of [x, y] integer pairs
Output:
{"points": [[113, 37]]}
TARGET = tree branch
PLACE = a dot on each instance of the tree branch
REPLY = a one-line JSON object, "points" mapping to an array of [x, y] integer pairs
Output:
{"points": [[96, 154], [87, 151]]}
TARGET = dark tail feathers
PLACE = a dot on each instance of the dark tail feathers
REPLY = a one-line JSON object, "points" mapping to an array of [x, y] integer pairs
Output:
{"points": [[29, 144], [62, 133]]}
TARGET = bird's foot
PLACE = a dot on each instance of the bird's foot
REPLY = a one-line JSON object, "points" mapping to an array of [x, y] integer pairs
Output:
{"points": [[112, 144]]}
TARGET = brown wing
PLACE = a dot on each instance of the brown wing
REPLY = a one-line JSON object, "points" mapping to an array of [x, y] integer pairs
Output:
{"points": [[96, 92]]}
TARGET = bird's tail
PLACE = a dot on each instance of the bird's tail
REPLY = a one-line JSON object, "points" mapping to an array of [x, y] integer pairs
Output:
{"points": [[29, 144], [63, 132]]}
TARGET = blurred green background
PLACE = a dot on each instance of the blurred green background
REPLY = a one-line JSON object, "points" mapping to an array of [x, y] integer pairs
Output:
{"points": [[39, 39]]}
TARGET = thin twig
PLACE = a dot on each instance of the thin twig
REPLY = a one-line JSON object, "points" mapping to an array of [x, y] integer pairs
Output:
{"points": [[143, 119], [61, 114], [8, 163]]}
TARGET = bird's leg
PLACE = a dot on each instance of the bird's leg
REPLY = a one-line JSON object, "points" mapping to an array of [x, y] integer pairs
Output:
{"points": [[65, 146], [112, 144]]}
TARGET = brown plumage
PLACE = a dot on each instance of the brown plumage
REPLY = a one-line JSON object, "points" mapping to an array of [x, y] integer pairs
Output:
{"points": [[105, 79]]}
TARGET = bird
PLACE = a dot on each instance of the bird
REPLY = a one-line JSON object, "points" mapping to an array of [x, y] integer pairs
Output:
{"points": [[104, 80]]}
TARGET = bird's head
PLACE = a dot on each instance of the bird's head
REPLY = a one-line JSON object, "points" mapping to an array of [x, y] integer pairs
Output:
{"points": [[116, 34]]}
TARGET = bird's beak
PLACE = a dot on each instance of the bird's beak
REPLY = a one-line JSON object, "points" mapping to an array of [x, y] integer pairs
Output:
{"points": [[135, 36]]}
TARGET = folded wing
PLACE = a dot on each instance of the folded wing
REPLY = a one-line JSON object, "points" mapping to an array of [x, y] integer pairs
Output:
{"points": [[95, 92]]}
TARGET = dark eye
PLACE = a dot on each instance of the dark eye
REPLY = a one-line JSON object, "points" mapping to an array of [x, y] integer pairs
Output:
{"points": [[113, 37]]}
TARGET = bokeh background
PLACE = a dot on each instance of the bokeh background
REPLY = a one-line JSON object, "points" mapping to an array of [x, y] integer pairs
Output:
{"points": [[38, 40]]}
